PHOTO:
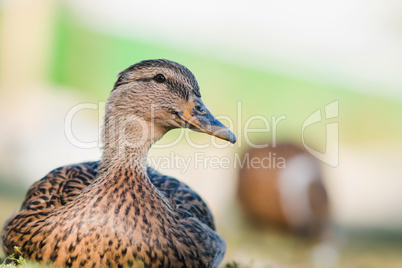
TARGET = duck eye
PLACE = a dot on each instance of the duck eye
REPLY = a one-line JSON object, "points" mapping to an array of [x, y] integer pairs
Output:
{"points": [[160, 78]]}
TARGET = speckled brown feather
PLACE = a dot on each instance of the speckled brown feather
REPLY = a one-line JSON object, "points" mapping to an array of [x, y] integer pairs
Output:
{"points": [[115, 213], [38, 223], [64, 184]]}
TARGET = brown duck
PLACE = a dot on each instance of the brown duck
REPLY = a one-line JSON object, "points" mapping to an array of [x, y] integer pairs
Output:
{"points": [[117, 212], [284, 188]]}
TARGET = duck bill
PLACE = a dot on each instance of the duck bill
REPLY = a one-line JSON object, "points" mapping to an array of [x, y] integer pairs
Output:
{"points": [[198, 118]]}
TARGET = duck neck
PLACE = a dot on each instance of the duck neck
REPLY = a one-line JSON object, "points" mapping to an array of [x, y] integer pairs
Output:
{"points": [[126, 141], [124, 158], [122, 184]]}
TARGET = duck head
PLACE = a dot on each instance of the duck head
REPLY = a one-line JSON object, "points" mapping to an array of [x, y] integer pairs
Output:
{"points": [[157, 96]]}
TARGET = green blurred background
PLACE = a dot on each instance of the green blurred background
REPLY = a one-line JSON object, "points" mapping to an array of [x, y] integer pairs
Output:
{"points": [[290, 58]]}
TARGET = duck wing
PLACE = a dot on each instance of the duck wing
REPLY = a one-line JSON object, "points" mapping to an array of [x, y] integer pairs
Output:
{"points": [[53, 191], [59, 187], [183, 199]]}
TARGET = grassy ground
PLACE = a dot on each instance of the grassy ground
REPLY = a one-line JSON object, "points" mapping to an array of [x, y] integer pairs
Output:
{"points": [[7, 207], [256, 246]]}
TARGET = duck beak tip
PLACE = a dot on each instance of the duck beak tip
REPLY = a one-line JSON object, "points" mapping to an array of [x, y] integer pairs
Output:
{"points": [[207, 123]]}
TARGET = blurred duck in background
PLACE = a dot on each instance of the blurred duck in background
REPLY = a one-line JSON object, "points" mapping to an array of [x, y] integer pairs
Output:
{"points": [[282, 186]]}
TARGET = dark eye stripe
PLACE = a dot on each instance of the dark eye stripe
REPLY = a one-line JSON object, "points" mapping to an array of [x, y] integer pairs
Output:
{"points": [[171, 110], [143, 79], [174, 86]]}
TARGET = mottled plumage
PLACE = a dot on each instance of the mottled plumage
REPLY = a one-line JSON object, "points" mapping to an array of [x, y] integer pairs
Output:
{"points": [[115, 212]]}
